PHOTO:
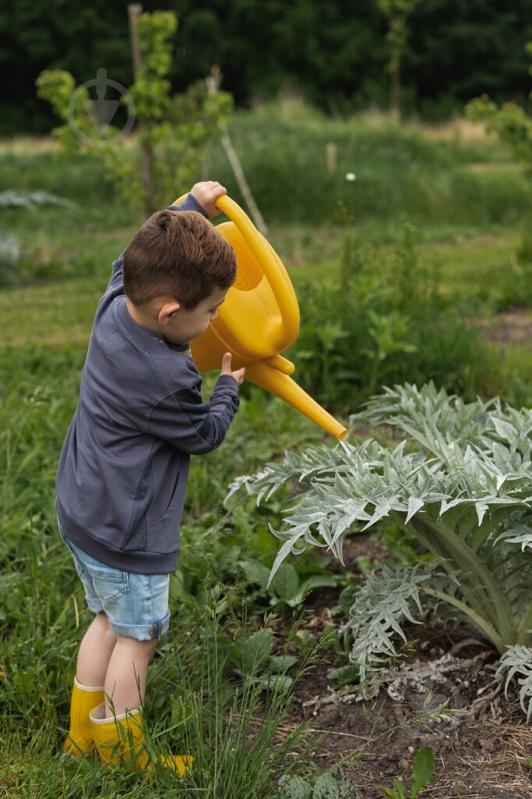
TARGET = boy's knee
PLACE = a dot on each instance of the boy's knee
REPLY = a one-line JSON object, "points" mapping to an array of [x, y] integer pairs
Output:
{"points": [[138, 648]]}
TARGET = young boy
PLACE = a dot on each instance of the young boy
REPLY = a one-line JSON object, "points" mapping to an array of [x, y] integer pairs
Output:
{"points": [[123, 469]]}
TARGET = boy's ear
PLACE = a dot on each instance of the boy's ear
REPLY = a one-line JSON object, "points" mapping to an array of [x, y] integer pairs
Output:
{"points": [[167, 310]]}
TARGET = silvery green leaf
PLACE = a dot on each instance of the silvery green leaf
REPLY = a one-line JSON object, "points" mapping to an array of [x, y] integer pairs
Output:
{"points": [[32, 199], [414, 504], [517, 535], [379, 607], [481, 508], [517, 661], [504, 429], [448, 504]]}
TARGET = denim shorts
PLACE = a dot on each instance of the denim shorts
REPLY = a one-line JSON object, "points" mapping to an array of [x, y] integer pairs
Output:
{"points": [[135, 604]]}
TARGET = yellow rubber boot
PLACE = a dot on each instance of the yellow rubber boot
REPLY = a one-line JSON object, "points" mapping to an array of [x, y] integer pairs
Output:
{"points": [[84, 699], [120, 739]]}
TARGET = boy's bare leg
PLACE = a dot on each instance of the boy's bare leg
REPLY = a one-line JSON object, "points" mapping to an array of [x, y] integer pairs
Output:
{"points": [[125, 681], [95, 652]]}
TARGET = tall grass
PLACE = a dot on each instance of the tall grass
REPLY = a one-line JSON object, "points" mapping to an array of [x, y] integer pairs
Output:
{"points": [[401, 172], [193, 701]]}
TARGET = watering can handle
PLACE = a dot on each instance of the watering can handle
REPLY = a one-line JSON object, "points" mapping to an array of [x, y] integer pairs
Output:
{"points": [[272, 267]]}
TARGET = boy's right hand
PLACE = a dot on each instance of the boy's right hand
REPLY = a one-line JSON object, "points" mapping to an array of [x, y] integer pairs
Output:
{"points": [[206, 193], [226, 369]]}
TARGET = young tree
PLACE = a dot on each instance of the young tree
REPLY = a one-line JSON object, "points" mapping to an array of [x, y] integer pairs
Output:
{"points": [[172, 130], [512, 123], [396, 13]]}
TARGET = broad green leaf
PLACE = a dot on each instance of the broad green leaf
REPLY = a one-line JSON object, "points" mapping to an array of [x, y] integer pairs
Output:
{"points": [[256, 572], [281, 663], [422, 770], [256, 650], [286, 582], [317, 581], [278, 682], [345, 675]]}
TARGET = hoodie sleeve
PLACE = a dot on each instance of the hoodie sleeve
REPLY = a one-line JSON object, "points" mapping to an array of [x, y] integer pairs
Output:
{"points": [[189, 204], [191, 425]]}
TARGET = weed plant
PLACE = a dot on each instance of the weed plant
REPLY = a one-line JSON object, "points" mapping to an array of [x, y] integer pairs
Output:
{"points": [[385, 320]]}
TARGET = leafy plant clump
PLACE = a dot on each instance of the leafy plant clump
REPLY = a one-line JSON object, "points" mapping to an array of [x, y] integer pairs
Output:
{"points": [[331, 784], [387, 315], [460, 480]]}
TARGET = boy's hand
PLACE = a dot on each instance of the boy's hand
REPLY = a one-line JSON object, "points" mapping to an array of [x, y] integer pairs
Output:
{"points": [[226, 369], [206, 193]]}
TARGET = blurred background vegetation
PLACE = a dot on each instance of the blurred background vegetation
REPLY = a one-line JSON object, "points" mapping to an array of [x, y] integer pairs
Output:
{"points": [[333, 54]]}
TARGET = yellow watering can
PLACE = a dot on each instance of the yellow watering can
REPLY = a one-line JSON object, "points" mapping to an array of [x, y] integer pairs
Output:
{"points": [[259, 319]]}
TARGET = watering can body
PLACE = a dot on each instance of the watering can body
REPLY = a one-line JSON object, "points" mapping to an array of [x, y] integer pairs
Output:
{"points": [[258, 320]]}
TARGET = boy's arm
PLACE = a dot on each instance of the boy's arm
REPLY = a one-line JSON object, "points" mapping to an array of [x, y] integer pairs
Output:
{"points": [[189, 204], [185, 421]]}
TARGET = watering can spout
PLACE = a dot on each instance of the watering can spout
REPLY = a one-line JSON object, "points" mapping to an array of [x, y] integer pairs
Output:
{"points": [[274, 376]]}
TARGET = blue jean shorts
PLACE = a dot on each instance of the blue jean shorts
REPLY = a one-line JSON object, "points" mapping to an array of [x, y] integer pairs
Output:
{"points": [[135, 604]]}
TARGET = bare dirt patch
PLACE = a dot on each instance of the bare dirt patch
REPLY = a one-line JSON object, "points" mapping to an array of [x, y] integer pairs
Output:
{"points": [[447, 701], [512, 327]]}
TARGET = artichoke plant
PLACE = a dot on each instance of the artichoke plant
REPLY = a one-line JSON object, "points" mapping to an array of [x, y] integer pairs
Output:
{"points": [[457, 475]]}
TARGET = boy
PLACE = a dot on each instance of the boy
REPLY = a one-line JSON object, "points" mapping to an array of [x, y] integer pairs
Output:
{"points": [[123, 469]]}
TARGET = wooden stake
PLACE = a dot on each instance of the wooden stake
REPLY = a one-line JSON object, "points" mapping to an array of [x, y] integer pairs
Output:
{"points": [[330, 156], [213, 83]]}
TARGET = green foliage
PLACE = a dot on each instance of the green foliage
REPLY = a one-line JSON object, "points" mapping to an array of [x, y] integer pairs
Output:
{"points": [[422, 771], [385, 321], [332, 784], [459, 481], [254, 660], [287, 587], [397, 13], [173, 131], [517, 662], [510, 122]]}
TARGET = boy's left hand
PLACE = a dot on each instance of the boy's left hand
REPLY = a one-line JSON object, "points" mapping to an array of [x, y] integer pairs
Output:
{"points": [[206, 193]]}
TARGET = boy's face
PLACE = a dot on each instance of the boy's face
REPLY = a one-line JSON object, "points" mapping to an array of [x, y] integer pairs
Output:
{"points": [[183, 325]]}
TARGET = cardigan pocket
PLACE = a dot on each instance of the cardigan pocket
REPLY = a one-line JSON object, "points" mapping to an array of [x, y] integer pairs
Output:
{"points": [[136, 537]]}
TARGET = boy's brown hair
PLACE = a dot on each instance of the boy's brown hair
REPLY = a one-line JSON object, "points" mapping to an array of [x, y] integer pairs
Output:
{"points": [[180, 254]]}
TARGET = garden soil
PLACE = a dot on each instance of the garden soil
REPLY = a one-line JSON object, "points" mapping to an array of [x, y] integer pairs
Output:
{"points": [[443, 694]]}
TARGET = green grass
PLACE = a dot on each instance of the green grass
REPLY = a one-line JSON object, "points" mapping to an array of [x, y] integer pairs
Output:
{"points": [[468, 221]]}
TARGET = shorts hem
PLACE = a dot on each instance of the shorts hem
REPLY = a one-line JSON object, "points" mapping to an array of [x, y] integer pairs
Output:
{"points": [[141, 632], [94, 606]]}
